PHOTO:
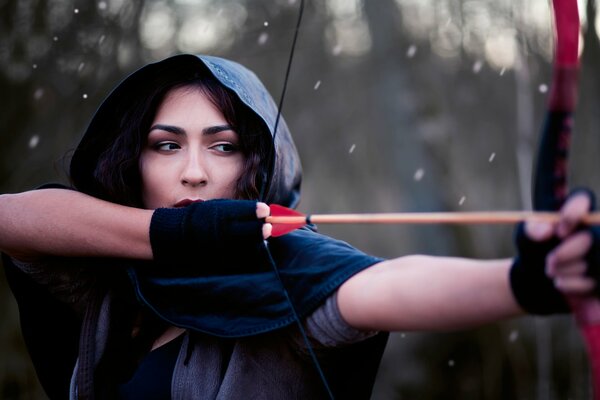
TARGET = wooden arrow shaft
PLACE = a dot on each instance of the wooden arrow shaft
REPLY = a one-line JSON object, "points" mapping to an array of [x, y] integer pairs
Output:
{"points": [[498, 217]]}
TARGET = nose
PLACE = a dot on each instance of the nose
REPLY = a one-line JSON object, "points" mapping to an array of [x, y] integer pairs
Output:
{"points": [[194, 172]]}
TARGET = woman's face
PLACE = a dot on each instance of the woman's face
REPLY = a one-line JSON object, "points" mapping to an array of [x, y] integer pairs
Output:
{"points": [[191, 152]]}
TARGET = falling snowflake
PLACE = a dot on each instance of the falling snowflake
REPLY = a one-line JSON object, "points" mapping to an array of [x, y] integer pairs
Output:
{"points": [[76, 11], [477, 66], [266, 23], [39, 92], [502, 71], [352, 149], [451, 363], [33, 142], [85, 96], [492, 156], [462, 200], [419, 174], [412, 50], [34, 66], [80, 67], [55, 38], [513, 336], [337, 50], [102, 5], [543, 88], [262, 38], [101, 39], [317, 85]]}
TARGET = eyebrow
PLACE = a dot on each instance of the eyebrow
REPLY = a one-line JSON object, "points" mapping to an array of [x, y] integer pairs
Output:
{"points": [[211, 130]]}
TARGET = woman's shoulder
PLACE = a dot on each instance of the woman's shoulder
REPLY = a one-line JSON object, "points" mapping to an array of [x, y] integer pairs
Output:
{"points": [[307, 242], [309, 236]]}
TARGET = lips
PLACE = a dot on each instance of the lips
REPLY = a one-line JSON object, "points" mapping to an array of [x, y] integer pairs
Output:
{"points": [[186, 202]]}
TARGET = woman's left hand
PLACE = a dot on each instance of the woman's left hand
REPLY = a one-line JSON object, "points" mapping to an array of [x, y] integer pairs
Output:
{"points": [[571, 265], [556, 259]]}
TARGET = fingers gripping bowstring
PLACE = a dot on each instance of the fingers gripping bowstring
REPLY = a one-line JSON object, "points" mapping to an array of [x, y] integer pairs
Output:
{"points": [[266, 177]]}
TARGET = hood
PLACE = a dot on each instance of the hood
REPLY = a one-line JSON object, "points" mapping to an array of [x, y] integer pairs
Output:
{"points": [[103, 130]]}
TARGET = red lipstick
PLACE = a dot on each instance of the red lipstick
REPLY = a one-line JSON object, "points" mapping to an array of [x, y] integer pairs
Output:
{"points": [[186, 202]]}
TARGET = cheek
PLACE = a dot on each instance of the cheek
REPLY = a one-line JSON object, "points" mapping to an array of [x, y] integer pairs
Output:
{"points": [[153, 179], [234, 173]]}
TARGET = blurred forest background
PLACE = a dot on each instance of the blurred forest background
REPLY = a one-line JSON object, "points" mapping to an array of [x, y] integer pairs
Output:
{"points": [[395, 105]]}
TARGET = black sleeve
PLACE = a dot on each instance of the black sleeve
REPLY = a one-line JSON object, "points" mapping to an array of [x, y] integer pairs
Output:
{"points": [[50, 330]]}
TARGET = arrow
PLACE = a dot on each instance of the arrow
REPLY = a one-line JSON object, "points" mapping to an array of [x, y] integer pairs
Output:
{"points": [[285, 220]]}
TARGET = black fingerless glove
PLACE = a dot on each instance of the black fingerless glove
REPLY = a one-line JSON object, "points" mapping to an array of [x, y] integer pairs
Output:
{"points": [[220, 236], [532, 288]]}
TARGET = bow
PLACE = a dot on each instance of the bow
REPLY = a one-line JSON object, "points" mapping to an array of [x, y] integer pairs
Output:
{"points": [[550, 181]]}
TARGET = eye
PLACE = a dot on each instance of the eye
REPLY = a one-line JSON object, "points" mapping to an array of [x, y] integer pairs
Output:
{"points": [[226, 147], [166, 146]]}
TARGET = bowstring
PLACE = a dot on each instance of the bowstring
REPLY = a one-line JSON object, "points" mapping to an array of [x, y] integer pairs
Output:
{"points": [[266, 176]]}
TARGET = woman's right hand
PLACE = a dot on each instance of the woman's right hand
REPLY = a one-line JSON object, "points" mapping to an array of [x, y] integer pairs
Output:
{"points": [[214, 232], [262, 212]]}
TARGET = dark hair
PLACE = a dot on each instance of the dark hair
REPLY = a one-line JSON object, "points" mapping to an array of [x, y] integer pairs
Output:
{"points": [[117, 170]]}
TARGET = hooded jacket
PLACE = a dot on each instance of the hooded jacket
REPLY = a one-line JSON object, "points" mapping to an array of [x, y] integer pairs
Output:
{"points": [[285, 174], [218, 309], [169, 294]]}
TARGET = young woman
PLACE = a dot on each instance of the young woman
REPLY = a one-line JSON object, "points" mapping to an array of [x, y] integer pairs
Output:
{"points": [[151, 278]]}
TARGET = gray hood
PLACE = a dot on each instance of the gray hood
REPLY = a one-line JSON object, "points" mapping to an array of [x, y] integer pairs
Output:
{"points": [[284, 187]]}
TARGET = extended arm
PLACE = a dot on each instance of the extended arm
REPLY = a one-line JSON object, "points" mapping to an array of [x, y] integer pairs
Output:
{"points": [[430, 293], [438, 293]]}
